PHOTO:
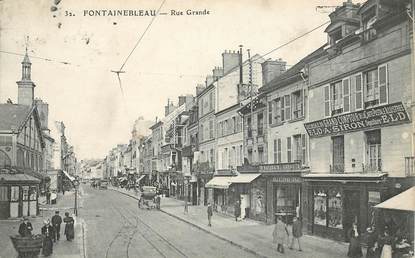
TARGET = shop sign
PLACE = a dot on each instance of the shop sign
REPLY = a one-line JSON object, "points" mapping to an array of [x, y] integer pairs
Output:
{"points": [[290, 180], [374, 117]]}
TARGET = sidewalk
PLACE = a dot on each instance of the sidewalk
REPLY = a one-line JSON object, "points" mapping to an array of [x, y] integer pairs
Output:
{"points": [[61, 248], [250, 235]]}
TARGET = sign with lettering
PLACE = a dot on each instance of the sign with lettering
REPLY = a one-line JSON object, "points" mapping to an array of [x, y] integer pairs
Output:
{"points": [[283, 179], [369, 118]]}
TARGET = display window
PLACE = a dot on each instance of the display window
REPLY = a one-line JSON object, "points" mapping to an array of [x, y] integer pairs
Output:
{"points": [[335, 208], [25, 193], [320, 207], [33, 193], [14, 196]]}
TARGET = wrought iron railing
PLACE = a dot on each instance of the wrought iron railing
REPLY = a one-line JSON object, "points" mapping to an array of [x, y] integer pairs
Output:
{"points": [[409, 166]]}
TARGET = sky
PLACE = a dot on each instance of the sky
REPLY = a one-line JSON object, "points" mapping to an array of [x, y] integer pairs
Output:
{"points": [[72, 55]]}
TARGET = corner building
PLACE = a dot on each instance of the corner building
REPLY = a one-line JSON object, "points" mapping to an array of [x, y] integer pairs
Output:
{"points": [[360, 118]]}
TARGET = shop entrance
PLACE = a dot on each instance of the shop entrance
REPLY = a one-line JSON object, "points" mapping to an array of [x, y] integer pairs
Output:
{"points": [[287, 199], [351, 209]]}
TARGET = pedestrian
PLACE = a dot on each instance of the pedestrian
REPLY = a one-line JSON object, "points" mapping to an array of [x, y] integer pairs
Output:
{"points": [[280, 234], [63, 190], [372, 250], [25, 228], [69, 227], [158, 201], [297, 232], [48, 196], [355, 250], [386, 240], [210, 214], [237, 210], [56, 223], [48, 235], [186, 206]]}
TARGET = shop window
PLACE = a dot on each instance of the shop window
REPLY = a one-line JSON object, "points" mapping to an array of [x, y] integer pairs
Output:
{"points": [[298, 104], [14, 193], [338, 154], [373, 200], [286, 198], [320, 207], [335, 209], [4, 193], [33, 193], [373, 151], [25, 193]]}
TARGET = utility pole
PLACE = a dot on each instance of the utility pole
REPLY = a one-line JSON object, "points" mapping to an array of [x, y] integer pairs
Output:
{"points": [[251, 91]]}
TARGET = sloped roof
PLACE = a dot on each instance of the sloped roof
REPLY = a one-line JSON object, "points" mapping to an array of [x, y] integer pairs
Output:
{"points": [[292, 74], [404, 201], [12, 116]]}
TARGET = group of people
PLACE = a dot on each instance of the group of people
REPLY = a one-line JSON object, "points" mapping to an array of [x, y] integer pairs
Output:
{"points": [[50, 230], [379, 244], [282, 235]]}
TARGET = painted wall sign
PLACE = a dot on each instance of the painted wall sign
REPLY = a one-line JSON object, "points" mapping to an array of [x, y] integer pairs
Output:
{"points": [[287, 179], [370, 118]]}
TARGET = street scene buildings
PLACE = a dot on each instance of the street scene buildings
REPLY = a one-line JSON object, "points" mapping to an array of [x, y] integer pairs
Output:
{"points": [[324, 146]]}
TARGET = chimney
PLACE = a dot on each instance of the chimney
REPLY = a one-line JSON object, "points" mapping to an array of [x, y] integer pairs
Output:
{"points": [[209, 80], [199, 88], [230, 60], [182, 100], [167, 108], [43, 110], [272, 69], [217, 72]]}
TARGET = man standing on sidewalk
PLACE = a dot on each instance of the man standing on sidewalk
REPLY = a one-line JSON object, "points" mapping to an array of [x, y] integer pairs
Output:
{"points": [[209, 213], [56, 223], [297, 233], [237, 210]]}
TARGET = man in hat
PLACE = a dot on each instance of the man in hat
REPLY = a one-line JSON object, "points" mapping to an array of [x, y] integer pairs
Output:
{"points": [[25, 228], [209, 213], [56, 223]]}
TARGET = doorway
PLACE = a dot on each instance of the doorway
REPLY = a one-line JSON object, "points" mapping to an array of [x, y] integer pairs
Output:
{"points": [[351, 209]]}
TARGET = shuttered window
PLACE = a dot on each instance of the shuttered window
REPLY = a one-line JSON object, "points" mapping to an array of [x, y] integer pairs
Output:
{"points": [[327, 109], [289, 150], [287, 107]]}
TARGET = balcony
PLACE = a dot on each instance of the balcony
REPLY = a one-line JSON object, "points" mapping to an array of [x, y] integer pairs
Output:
{"points": [[337, 169], [409, 166], [372, 168], [269, 168]]}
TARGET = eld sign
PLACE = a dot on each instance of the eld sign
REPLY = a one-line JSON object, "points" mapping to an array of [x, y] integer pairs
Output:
{"points": [[373, 117]]}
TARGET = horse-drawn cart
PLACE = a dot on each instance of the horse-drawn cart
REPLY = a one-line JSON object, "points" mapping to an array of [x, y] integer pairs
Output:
{"points": [[148, 198], [27, 246]]}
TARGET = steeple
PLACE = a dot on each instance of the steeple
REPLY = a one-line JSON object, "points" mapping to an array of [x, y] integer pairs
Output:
{"points": [[25, 85]]}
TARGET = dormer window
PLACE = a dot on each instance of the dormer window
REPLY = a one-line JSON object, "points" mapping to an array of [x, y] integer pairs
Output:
{"points": [[335, 36], [368, 19]]}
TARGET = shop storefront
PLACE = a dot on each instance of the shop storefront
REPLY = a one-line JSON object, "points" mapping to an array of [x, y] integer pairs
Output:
{"points": [[338, 201], [18, 195]]}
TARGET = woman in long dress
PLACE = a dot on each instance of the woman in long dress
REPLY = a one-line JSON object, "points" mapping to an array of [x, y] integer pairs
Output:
{"points": [[386, 240], [69, 227], [355, 250], [280, 234], [48, 234]]}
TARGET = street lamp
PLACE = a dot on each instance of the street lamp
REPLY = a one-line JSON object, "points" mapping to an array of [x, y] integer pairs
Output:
{"points": [[76, 185]]}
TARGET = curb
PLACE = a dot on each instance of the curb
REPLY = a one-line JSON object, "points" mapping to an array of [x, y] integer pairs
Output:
{"points": [[201, 228]]}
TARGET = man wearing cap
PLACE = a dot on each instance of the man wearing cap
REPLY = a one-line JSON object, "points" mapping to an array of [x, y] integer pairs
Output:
{"points": [[56, 223], [25, 228]]}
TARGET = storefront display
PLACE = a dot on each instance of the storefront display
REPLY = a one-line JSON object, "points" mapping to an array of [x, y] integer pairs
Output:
{"points": [[335, 209], [320, 207]]}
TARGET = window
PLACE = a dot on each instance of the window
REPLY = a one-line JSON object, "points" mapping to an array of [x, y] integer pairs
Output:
{"points": [[298, 104], [334, 36], [4, 193], [358, 92], [270, 108], [212, 157], [335, 208], [336, 98], [233, 157], [287, 107], [373, 151], [279, 112], [327, 106], [211, 107], [289, 150], [298, 148], [304, 149], [234, 126], [250, 155], [376, 86], [25, 193], [225, 127], [220, 128], [14, 193], [338, 154], [320, 207], [211, 129], [368, 19], [260, 123], [260, 154], [249, 126], [346, 94]]}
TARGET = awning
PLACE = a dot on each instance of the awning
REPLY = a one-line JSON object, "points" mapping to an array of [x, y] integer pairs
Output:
{"points": [[346, 177], [244, 178], [219, 182], [68, 176], [404, 201], [139, 179], [18, 178]]}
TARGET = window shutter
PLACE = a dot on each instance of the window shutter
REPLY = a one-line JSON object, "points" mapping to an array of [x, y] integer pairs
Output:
{"points": [[327, 108], [270, 104], [358, 91], [346, 95], [282, 109], [383, 84], [303, 148], [275, 152], [279, 150], [288, 107], [289, 149]]}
